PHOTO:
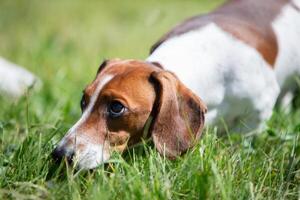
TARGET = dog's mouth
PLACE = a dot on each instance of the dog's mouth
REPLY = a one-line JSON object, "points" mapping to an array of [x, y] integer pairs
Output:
{"points": [[91, 157], [81, 156], [87, 159]]}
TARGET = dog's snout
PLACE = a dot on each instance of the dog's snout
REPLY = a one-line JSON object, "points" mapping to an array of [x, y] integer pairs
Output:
{"points": [[60, 153]]}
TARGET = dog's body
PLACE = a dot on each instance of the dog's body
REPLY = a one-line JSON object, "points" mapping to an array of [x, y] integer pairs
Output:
{"points": [[238, 59], [237, 64]]}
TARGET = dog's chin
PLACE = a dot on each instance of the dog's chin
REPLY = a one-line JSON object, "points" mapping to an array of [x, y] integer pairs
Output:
{"points": [[91, 157]]}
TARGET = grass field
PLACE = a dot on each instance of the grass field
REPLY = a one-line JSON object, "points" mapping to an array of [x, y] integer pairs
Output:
{"points": [[63, 42]]}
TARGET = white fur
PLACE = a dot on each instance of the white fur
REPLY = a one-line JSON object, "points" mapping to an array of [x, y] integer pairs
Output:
{"points": [[93, 100], [14, 80], [232, 78], [287, 29], [297, 3], [92, 154]]}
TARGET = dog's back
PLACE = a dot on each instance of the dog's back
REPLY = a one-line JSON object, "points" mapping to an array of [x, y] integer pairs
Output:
{"points": [[249, 20], [236, 58]]}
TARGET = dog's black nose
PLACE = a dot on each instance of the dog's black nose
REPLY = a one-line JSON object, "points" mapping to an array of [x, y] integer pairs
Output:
{"points": [[59, 154]]}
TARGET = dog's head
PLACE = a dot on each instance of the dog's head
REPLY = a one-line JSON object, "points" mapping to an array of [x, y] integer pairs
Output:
{"points": [[129, 101]]}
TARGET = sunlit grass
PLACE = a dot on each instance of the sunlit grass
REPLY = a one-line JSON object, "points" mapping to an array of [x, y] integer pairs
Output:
{"points": [[63, 42]]}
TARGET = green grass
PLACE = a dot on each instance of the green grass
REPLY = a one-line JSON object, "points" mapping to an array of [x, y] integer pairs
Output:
{"points": [[63, 42]]}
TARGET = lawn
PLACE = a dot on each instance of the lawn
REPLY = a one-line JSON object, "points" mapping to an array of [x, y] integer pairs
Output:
{"points": [[63, 42]]}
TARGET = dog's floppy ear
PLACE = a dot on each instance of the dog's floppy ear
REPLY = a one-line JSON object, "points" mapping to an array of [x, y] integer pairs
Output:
{"points": [[178, 115]]}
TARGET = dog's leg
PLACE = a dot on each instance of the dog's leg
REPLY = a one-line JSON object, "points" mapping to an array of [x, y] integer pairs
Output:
{"points": [[250, 96], [289, 96], [286, 102]]}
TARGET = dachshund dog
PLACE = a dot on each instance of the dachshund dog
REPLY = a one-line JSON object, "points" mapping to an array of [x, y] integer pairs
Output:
{"points": [[229, 66]]}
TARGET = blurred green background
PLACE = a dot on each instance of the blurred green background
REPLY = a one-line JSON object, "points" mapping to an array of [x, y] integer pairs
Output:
{"points": [[64, 40]]}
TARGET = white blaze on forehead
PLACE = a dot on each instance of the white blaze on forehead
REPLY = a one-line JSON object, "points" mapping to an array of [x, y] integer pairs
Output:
{"points": [[92, 102], [72, 131], [92, 154]]}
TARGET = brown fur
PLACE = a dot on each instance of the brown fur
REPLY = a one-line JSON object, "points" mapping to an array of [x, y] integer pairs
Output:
{"points": [[147, 91], [179, 115]]}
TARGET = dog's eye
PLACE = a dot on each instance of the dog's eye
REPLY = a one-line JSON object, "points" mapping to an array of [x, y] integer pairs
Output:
{"points": [[116, 109], [83, 103]]}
